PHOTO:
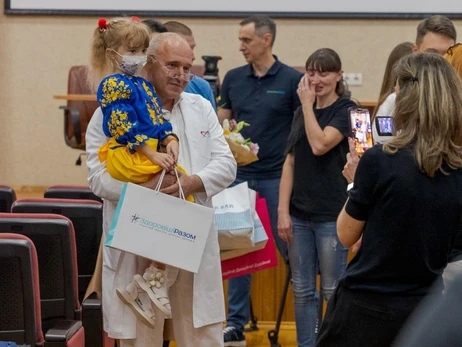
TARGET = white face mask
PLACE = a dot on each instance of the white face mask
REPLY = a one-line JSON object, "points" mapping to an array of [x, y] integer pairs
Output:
{"points": [[132, 64]]}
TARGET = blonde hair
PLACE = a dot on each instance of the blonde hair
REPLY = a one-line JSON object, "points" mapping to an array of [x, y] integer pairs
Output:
{"points": [[428, 113], [119, 32], [454, 57]]}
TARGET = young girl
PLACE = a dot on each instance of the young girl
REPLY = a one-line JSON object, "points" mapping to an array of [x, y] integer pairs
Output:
{"points": [[132, 118]]}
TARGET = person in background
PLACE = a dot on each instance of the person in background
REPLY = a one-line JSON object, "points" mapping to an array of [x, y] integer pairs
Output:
{"points": [[406, 205], [387, 95], [435, 34], [154, 26], [198, 85], [313, 190], [263, 93]]}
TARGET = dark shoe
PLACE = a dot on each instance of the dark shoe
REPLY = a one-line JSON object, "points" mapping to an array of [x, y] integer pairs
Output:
{"points": [[233, 337]]}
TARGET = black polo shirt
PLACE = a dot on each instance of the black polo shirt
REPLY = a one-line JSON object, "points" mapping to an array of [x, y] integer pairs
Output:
{"points": [[267, 103]]}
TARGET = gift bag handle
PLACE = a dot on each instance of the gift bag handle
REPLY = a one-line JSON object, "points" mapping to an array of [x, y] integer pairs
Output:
{"points": [[161, 179]]}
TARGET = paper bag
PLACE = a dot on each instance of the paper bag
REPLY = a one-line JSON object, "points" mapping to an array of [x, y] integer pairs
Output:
{"points": [[253, 261], [259, 237], [160, 227], [233, 217]]}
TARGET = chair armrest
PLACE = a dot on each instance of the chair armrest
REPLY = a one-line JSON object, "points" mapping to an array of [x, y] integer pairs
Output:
{"points": [[72, 114], [62, 332], [92, 319]]}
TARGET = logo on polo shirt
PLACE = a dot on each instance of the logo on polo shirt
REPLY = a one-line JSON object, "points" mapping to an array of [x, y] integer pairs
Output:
{"points": [[275, 92]]}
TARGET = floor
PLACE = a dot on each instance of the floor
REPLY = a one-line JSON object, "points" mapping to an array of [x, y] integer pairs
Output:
{"points": [[259, 338]]}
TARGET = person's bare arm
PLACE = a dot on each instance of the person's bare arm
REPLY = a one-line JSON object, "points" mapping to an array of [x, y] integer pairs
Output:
{"points": [[223, 114], [285, 193], [349, 230], [320, 140]]}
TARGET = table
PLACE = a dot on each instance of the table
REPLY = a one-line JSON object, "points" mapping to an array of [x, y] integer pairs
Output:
{"points": [[76, 97]]}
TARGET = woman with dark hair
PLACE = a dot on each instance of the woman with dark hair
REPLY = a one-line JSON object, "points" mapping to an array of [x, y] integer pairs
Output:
{"points": [[406, 205], [313, 190]]}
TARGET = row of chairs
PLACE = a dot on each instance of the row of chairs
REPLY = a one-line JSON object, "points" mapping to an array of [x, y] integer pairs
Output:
{"points": [[66, 234]]}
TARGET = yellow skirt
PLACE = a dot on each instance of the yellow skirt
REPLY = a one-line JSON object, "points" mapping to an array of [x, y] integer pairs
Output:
{"points": [[130, 167]]}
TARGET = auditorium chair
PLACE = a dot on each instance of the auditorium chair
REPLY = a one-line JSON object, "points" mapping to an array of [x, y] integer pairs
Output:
{"points": [[70, 192], [7, 197], [54, 239], [20, 313], [77, 114], [86, 216]]}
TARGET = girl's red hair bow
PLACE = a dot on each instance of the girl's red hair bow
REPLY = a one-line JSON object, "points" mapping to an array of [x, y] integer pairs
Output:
{"points": [[136, 19], [102, 23]]}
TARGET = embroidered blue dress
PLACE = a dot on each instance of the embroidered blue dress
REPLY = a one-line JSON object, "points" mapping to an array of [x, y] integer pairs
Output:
{"points": [[132, 115]]}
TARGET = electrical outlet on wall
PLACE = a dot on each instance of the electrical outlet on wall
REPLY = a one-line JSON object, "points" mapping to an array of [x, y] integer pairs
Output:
{"points": [[353, 79]]}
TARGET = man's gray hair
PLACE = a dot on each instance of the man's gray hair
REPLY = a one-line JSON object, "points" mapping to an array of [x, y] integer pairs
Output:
{"points": [[158, 41]]}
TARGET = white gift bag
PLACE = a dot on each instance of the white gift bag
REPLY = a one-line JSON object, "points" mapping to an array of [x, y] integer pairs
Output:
{"points": [[160, 227], [234, 217]]}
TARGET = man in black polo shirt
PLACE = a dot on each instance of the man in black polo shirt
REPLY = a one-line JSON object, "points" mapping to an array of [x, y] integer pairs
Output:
{"points": [[264, 94]]}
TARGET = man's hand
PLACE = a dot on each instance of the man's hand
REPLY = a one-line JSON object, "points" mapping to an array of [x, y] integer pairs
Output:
{"points": [[190, 185], [169, 179], [349, 169]]}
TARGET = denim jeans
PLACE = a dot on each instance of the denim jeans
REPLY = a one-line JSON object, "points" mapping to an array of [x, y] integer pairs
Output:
{"points": [[239, 287], [314, 246]]}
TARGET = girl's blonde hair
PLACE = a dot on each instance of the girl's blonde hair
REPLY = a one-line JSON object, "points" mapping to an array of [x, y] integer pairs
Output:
{"points": [[428, 113], [113, 34]]}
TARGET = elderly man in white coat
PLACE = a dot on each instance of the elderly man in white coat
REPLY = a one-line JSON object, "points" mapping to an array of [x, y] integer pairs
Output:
{"points": [[196, 299]]}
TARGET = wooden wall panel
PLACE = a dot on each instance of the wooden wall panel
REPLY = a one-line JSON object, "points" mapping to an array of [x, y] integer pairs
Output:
{"points": [[267, 289]]}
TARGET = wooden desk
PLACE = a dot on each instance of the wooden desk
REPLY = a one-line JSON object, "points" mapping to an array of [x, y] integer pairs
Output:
{"points": [[76, 97]]}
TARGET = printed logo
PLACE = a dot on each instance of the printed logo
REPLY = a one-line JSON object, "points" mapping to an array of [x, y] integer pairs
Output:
{"points": [[275, 92], [205, 133], [223, 207], [162, 228]]}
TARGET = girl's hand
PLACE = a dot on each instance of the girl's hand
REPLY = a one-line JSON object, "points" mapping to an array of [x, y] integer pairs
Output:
{"points": [[163, 160], [306, 92], [285, 231], [173, 150]]}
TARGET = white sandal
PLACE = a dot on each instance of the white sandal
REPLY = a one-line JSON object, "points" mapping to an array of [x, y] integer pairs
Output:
{"points": [[130, 297], [155, 284]]}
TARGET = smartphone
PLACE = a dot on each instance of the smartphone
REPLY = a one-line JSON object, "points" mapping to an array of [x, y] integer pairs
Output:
{"points": [[384, 126], [360, 128]]}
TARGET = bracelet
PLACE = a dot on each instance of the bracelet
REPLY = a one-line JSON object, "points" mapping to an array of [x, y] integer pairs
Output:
{"points": [[349, 186]]}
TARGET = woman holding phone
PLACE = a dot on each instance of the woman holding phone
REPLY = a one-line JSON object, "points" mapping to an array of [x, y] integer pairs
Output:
{"points": [[313, 190], [406, 205]]}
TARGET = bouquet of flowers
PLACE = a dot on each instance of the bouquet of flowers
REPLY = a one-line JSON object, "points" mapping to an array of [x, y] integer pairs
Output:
{"points": [[244, 150]]}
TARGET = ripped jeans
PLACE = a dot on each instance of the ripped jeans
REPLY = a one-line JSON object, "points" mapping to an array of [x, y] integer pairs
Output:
{"points": [[314, 246]]}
